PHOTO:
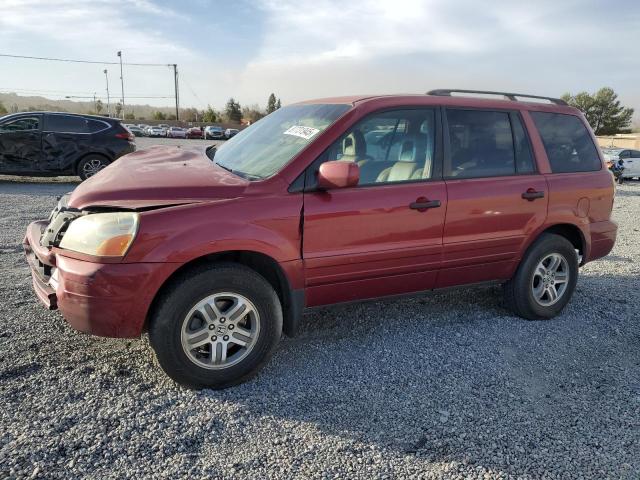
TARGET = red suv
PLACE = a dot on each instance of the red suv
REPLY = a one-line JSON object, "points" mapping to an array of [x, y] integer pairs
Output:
{"points": [[322, 202]]}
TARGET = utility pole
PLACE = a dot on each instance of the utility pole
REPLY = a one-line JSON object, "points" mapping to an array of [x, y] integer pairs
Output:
{"points": [[175, 77], [95, 104], [106, 77], [121, 82]]}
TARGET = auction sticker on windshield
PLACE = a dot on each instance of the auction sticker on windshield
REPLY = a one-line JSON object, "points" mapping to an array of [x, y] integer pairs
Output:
{"points": [[302, 132]]}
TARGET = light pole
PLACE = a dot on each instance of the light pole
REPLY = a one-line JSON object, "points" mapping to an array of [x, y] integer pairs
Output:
{"points": [[106, 77], [121, 82], [175, 78]]}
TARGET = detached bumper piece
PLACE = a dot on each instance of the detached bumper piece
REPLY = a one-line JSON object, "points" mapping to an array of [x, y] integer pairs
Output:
{"points": [[42, 263]]}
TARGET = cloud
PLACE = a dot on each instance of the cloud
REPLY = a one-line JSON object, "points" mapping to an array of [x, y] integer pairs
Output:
{"points": [[92, 29]]}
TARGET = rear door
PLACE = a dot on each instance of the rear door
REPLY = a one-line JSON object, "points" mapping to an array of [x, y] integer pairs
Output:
{"points": [[21, 144], [384, 236], [65, 139], [496, 198]]}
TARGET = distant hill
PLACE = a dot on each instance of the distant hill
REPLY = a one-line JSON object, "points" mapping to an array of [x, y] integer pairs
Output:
{"points": [[13, 102]]}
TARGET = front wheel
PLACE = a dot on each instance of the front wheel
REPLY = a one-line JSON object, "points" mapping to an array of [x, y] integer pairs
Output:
{"points": [[545, 279], [216, 327]]}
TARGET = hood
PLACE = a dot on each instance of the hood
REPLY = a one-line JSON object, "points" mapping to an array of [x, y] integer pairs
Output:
{"points": [[155, 177]]}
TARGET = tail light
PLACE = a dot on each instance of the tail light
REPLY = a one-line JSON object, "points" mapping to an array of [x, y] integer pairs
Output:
{"points": [[126, 135]]}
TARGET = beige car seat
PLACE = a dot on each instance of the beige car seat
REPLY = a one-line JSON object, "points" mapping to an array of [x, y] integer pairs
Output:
{"points": [[406, 166]]}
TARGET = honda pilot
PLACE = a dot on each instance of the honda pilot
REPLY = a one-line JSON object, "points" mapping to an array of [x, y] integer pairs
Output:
{"points": [[217, 254]]}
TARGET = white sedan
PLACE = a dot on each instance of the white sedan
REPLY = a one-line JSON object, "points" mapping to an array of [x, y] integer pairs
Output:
{"points": [[176, 132], [629, 157]]}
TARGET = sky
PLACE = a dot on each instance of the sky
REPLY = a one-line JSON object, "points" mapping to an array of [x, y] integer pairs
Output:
{"points": [[302, 49]]}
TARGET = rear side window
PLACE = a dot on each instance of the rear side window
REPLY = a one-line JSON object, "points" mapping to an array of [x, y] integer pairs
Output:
{"points": [[567, 143], [65, 124], [96, 126], [481, 144]]}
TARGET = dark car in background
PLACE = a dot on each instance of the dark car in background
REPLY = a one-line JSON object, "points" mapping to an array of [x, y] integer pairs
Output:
{"points": [[230, 133], [50, 144], [136, 130]]}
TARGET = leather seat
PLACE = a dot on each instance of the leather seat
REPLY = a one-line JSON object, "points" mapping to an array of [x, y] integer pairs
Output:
{"points": [[354, 148], [406, 166]]}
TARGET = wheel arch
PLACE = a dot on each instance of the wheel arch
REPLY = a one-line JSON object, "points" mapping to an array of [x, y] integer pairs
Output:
{"points": [[571, 232], [292, 300]]}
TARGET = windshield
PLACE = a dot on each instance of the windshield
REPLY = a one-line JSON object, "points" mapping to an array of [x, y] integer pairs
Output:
{"points": [[262, 149]]}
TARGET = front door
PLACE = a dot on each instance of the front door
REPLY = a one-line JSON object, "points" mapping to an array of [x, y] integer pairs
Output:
{"points": [[495, 196], [384, 236], [20, 145]]}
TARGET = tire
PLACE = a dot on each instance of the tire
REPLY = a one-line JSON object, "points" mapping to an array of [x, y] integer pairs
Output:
{"points": [[179, 307], [90, 165], [521, 293]]}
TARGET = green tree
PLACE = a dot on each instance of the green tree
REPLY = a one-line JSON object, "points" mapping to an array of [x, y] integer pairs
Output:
{"points": [[252, 113], [233, 111], [603, 111], [210, 115], [129, 116], [271, 104], [278, 104], [158, 115], [3, 110]]}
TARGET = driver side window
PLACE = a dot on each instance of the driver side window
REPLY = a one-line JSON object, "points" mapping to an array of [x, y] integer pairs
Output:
{"points": [[392, 146]]}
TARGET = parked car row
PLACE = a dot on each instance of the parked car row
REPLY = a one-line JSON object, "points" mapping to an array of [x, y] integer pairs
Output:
{"points": [[210, 132]]}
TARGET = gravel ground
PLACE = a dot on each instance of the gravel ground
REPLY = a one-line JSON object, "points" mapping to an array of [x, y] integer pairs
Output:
{"points": [[438, 386]]}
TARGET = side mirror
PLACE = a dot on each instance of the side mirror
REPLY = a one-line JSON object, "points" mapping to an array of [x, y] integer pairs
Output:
{"points": [[337, 174]]}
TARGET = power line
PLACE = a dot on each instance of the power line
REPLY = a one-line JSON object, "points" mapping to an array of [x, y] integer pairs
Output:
{"points": [[67, 92], [49, 59]]}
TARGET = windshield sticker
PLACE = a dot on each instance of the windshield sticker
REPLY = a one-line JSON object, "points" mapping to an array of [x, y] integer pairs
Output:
{"points": [[302, 132]]}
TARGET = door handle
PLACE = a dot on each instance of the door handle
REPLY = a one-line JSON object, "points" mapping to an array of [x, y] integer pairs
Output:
{"points": [[532, 194], [422, 204]]}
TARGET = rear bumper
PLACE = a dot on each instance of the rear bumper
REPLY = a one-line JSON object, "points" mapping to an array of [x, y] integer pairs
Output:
{"points": [[603, 238], [105, 299]]}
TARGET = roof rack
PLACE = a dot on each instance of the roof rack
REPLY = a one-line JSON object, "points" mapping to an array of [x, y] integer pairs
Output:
{"points": [[507, 95]]}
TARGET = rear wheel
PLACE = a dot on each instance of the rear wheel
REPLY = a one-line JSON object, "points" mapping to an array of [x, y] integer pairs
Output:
{"points": [[90, 165], [545, 279], [216, 327]]}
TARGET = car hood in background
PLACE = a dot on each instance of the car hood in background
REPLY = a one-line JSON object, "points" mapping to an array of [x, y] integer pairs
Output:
{"points": [[157, 176]]}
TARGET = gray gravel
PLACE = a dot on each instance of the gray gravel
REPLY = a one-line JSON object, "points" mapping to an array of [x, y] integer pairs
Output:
{"points": [[438, 386]]}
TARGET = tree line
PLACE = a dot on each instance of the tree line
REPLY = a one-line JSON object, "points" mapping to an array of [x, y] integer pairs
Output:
{"points": [[232, 112]]}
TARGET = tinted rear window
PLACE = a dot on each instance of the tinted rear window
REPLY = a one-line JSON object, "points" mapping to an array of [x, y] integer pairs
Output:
{"points": [[97, 126], [65, 124], [567, 142], [481, 144]]}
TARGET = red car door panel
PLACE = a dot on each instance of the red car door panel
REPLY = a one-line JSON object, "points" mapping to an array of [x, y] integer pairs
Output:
{"points": [[367, 242]]}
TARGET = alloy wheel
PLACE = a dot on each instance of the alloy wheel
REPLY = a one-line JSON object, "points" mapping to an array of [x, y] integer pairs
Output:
{"points": [[550, 279], [220, 330]]}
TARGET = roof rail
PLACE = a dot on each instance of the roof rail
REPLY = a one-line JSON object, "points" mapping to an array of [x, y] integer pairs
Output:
{"points": [[507, 95]]}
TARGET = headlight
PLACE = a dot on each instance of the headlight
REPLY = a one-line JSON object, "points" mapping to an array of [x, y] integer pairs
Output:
{"points": [[101, 234]]}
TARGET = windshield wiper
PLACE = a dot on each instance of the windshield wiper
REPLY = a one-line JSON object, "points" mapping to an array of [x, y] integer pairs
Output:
{"points": [[248, 176]]}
